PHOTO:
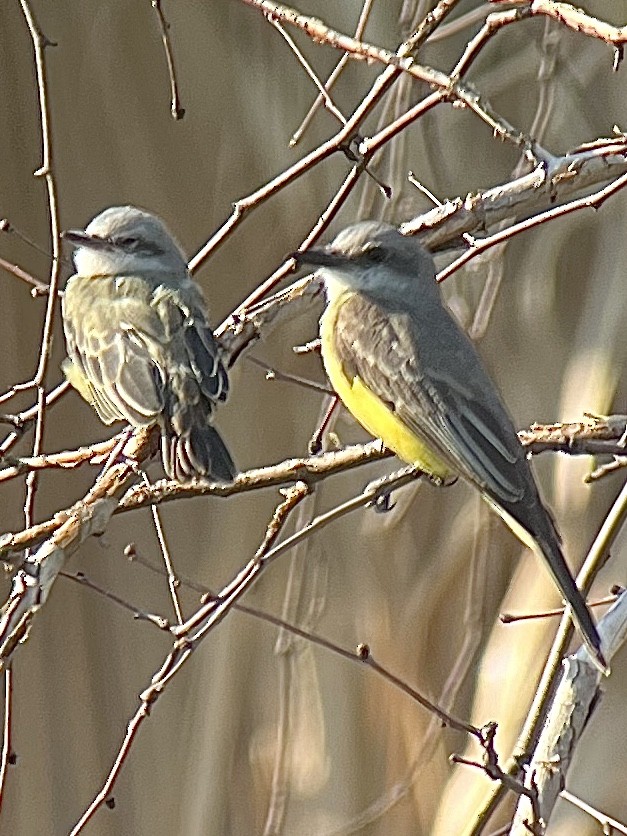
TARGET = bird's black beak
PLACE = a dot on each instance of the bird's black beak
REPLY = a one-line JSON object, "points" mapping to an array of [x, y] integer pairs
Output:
{"points": [[319, 257], [79, 238]]}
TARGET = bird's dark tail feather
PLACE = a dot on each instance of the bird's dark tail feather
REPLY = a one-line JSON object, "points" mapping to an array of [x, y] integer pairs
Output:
{"points": [[572, 596], [198, 453]]}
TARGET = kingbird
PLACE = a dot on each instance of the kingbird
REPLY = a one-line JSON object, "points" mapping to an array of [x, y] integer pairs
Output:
{"points": [[140, 347], [410, 376]]}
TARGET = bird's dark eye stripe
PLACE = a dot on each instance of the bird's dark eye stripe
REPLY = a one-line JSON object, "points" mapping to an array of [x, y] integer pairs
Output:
{"points": [[124, 242], [135, 245], [374, 254]]}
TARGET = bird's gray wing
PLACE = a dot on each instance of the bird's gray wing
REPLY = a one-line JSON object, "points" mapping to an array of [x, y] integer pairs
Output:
{"points": [[196, 380], [454, 412], [188, 340]]}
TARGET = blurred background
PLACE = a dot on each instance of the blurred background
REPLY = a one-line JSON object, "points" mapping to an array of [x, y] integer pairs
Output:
{"points": [[263, 732]]}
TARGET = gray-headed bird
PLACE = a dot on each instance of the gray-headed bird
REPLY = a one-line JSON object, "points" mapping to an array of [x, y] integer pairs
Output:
{"points": [[140, 347], [408, 373]]}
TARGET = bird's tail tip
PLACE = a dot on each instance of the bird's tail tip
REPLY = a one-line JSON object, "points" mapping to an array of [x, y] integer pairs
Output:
{"points": [[551, 551], [598, 657], [198, 453]]}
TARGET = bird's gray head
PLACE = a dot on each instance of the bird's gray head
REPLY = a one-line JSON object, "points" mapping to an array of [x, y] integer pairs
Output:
{"points": [[124, 240], [373, 257]]}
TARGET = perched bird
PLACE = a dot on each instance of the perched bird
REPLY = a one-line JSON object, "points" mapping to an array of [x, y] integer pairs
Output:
{"points": [[140, 347], [408, 373]]}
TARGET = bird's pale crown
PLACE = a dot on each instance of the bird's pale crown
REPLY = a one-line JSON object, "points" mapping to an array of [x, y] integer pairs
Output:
{"points": [[125, 240]]}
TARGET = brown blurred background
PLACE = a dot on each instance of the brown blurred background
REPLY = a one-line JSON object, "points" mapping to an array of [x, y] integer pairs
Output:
{"points": [[421, 585]]}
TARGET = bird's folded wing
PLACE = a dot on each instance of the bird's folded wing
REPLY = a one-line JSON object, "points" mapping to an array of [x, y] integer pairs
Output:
{"points": [[204, 359], [444, 410], [125, 381], [188, 341], [136, 349]]}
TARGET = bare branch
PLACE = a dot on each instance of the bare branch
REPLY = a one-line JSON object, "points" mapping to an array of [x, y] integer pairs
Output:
{"points": [[570, 710], [176, 110], [527, 740], [573, 18]]}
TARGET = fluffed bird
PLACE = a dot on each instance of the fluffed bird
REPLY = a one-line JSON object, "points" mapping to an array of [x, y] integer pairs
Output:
{"points": [[410, 376], [140, 347]]}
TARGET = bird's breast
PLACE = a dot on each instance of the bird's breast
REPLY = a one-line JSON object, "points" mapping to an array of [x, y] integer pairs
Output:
{"points": [[365, 404]]}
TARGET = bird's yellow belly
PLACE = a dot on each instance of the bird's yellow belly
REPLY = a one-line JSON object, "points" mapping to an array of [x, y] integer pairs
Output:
{"points": [[372, 412]]}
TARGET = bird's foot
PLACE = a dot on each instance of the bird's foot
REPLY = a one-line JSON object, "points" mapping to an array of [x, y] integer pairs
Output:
{"points": [[382, 488], [441, 481]]}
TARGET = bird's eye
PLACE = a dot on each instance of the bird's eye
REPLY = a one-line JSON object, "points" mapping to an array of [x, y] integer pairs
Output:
{"points": [[375, 254], [125, 243]]}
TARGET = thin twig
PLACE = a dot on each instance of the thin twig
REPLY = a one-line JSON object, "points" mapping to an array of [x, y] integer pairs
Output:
{"points": [[607, 822], [7, 753], [24, 419], [359, 31], [364, 654], [19, 273], [512, 618], [326, 98], [176, 110], [139, 615], [40, 42], [173, 581]]}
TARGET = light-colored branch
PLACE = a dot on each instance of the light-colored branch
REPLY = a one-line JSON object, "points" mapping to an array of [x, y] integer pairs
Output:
{"points": [[537, 191], [322, 91], [450, 87], [593, 201], [173, 581], [607, 823], [601, 163], [40, 42], [528, 737], [94, 453], [568, 715], [7, 754], [572, 17], [592, 436], [67, 529], [32, 583]]}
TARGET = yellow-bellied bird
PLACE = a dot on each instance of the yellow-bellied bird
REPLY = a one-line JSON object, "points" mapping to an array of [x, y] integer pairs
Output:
{"points": [[408, 373]]}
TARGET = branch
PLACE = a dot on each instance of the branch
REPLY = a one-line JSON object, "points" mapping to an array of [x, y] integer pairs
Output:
{"points": [[177, 111], [573, 18], [527, 740], [450, 87], [575, 699], [560, 180], [603, 161], [592, 436], [31, 585], [40, 43], [188, 636]]}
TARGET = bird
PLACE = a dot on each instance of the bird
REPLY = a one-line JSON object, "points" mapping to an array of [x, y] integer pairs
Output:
{"points": [[139, 344], [409, 374]]}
